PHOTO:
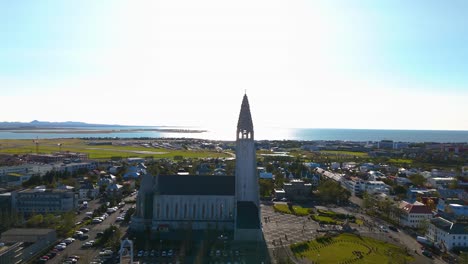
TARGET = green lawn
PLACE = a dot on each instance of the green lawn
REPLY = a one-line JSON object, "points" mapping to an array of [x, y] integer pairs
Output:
{"points": [[400, 161], [345, 153], [297, 210], [100, 152], [350, 248], [325, 219]]}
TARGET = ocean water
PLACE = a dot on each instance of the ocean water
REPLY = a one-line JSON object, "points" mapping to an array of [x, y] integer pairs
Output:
{"points": [[261, 133]]}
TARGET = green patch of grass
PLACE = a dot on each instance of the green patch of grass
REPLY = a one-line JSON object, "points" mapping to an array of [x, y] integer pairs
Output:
{"points": [[349, 248], [400, 161], [301, 211], [345, 153], [100, 152], [325, 220], [296, 210]]}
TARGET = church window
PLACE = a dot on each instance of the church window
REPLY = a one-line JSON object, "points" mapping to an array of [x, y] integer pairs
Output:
{"points": [[212, 211], [176, 211], [203, 212], [194, 211], [167, 211], [220, 211], [185, 210], [158, 210]]}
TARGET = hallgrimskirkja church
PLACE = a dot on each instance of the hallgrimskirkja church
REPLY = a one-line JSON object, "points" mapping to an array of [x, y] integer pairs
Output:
{"points": [[199, 202]]}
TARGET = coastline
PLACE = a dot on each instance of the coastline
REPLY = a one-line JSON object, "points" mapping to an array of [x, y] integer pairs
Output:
{"points": [[97, 131]]}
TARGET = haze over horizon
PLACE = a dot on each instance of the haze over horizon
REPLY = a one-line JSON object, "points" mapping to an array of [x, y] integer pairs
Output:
{"points": [[304, 64]]}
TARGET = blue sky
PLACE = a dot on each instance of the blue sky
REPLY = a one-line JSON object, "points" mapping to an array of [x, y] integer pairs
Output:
{"points": [[344, 64]]}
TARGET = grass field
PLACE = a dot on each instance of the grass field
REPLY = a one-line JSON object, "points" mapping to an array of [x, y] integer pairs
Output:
{"points": [[325, 220], [344, 153], [400, 161], [350, 248], [101, 151], [297, 210]]}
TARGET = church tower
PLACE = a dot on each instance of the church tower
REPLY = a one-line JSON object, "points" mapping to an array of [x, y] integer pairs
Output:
{"points": [[246, 165], [247, 224]]}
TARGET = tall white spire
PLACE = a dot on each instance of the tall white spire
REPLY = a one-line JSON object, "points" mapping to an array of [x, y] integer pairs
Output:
{"points": [[246, 177], [245, 124]]}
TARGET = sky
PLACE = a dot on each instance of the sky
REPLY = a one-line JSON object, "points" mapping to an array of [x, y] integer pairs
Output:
{"points": [[392, 64]]}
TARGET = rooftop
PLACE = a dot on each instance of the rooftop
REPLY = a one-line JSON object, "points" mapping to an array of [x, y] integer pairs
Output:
{"points": [[450, 227]]}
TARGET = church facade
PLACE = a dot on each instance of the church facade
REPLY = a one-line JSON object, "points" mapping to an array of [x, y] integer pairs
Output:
{"points": [[199, 202]]}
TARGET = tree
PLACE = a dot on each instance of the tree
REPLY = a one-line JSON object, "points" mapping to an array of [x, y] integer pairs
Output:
{"points": [[417, 179], [332, 192], [266, 187], [400, 191]]}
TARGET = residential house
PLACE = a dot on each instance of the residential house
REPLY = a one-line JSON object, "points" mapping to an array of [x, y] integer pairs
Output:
{"points": [[88, 191], [414, 214]]}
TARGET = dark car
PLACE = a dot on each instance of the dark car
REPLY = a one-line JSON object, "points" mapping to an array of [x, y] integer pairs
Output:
{"points": [[393, 228], [427, 254], [99, 234]]}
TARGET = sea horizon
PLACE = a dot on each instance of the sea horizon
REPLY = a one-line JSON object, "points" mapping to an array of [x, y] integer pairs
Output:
{"points": [[261, 133]]}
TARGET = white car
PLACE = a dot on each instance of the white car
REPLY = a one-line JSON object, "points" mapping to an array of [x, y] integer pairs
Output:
{"points": [[69, 240], [96, 221]]}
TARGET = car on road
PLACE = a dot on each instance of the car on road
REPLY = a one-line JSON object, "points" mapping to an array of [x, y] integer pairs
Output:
{"points": [[427, 253], [96, 221], [84, 230], [69, 240], [393, 228]]}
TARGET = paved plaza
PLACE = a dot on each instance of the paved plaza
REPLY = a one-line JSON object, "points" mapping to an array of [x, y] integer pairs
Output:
{"points": [[285, 229]]}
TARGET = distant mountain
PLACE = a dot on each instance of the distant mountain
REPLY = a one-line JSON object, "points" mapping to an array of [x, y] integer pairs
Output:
{"points": [[46, 124]]}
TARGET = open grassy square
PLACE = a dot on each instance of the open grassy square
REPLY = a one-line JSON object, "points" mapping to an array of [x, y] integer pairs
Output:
{"points": [[349, 248]]}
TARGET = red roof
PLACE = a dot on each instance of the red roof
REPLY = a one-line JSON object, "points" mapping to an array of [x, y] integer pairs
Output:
{"points": [[417, 208]]}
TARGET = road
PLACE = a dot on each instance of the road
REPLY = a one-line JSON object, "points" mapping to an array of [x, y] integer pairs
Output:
{"points": [[400, 237], [86, 255]]}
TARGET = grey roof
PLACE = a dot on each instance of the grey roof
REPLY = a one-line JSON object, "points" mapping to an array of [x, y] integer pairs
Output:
{"points": [[25, 234], [247, 216], [245, 118], [450, 227], [196, 185]]}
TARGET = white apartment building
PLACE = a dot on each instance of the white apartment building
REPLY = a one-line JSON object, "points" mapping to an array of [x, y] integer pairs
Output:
{"points": [[358, 187], [446, 234], [42, 200]]}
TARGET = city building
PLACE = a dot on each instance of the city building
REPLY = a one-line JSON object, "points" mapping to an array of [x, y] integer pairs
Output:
{"points": [[297, 190], [201, 202], [74, 167], [446, 234], [358, 186], [42, 200], [21, 245], [385, 144], [414, 214], [88, 191], [440, 182]]}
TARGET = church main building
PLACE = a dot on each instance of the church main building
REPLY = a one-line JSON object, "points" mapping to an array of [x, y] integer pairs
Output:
{"points": [[182, 202]]}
